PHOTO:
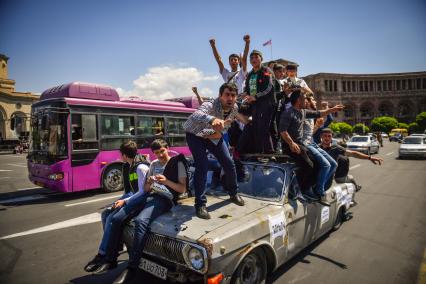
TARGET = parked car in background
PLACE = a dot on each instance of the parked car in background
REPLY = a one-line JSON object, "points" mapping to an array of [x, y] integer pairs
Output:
{"points": [[241, 244], [385, 135], [418, 135], [397, 137], [413, 146], [365, 144]]}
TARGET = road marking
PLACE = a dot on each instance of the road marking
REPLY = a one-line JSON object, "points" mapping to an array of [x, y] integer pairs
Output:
{"points": [[388, 154], [5, 170], [93, 200], [86, 219], [23, 199], [4, 177], [354, 167], [16, 165], [28, 188], [13, 156]]}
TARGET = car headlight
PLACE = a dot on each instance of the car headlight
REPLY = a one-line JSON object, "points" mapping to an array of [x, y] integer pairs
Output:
{"points": [[196, 258]]}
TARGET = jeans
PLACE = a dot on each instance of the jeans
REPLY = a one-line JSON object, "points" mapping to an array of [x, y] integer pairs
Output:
{"points": [[155, 206], [327, 166], [199, 147]]}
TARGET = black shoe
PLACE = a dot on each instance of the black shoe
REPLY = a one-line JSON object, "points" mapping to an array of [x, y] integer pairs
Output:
{"points": [[126, 276], [94, 263], [358, 188], [237, 200], [105, 266], [202, 212]]}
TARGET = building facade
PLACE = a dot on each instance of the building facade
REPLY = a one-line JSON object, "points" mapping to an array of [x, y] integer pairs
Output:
{"points": [[15, 107], [366, 96]]}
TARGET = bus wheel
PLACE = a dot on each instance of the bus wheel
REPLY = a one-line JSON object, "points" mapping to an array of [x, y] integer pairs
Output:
{"points": [[112, 178]]}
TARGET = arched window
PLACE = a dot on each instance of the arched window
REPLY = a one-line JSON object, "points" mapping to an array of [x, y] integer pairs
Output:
{"points": [[19, 119], [386, 109], [2, 124], [366, 109]]}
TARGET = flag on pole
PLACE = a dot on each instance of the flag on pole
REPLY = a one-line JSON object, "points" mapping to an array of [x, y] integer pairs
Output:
{"points": [[269, 42]]}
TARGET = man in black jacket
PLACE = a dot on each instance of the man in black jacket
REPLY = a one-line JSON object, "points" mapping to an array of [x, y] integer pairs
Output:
{"points": [[260, 94]]}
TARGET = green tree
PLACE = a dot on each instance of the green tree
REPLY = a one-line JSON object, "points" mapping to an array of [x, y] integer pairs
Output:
{"points": [[360, 128], [413, 127], [421, 121], [403, 125], [341, 127], [384, 123]]}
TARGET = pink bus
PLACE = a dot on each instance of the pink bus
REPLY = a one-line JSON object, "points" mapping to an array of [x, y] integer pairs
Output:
{"points": [[77, 129]]}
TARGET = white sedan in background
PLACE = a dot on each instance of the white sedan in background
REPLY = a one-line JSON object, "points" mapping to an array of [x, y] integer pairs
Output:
{"points": [[365, 144], [413, 146]]}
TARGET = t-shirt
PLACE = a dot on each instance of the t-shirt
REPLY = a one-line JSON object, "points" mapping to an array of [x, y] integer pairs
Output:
{"points": [[141, 171], [293, 81], [157, 168], [292, 121], [238, 79], [337, 152], [253, 84]]}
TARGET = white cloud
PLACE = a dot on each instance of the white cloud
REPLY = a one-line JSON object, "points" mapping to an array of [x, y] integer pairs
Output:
{"points": [[167, 82]]}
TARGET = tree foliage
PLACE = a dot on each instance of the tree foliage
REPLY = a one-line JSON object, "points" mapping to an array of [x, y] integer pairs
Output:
{"points": [[384, 123], [360, 128], [421, 121], [413, 127], [341, 127]]}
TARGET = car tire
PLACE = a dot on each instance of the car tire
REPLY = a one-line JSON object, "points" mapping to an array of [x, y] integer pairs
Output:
{"points": [[252, 269], [340, 218], [112, 178]]}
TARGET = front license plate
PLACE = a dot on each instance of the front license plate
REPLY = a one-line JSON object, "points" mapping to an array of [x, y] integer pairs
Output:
{"points": [[153, 268]]}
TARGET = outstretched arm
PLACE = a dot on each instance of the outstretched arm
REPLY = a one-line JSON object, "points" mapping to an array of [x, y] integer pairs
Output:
{"points": [[200, 100], [359, 155], [216, 55], [245, 54]]}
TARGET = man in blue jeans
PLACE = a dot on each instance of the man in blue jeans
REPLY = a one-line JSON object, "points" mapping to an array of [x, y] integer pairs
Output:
{"points": [[216, 116]]}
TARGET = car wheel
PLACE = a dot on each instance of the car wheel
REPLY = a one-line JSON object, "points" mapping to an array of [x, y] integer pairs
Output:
{"points": [[112, 179], [252, 269], [340, 218]]}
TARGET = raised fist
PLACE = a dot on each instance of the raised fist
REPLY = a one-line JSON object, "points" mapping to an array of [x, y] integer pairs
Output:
{"points": [[246, 38], [212, 41]]}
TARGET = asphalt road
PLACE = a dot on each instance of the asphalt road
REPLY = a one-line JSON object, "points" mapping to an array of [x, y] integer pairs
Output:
{"points": [[46, 237]]}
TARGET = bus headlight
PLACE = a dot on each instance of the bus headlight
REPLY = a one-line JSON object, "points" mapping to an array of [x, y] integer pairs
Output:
{"points": [[195, 256], [57, 176]]}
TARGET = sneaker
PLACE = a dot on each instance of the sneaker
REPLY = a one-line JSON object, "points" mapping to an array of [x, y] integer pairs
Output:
{"points": [[236, 199], [105, 266], [94, 263], [202, 212]]}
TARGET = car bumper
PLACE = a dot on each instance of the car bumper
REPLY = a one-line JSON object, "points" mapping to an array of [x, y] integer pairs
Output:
{"points": [[419, 154], [362, 150]]}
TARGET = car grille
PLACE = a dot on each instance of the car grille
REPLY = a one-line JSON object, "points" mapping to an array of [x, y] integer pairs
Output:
{"points": [[166, 248]]}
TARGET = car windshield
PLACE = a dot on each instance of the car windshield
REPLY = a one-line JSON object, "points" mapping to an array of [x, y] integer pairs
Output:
{"points": [[413, 140], [260, 181], [359, 139]]}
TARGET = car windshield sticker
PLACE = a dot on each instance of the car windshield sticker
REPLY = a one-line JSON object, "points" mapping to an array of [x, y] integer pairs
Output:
{"points": [[325, 214], [277, 228]]}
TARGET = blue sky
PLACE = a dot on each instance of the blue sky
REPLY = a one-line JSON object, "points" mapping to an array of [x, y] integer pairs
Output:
{"points": [[145, 47]]}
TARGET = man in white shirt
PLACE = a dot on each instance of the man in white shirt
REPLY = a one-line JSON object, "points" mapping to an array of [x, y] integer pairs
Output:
{"points": [[234, 76], [293, 83]]}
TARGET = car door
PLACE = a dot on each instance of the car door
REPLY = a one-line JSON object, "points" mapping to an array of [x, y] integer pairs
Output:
{"points": [[295, 214]]}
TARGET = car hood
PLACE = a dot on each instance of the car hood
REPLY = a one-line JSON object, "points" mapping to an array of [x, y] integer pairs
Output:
{"points": [[182, 223], [412, 146], [357, 144]]}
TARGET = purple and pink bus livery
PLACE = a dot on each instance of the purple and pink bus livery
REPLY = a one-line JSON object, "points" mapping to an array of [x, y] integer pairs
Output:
{"points": [[77, 129]]}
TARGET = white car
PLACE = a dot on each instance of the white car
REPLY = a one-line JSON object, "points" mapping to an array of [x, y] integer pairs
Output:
{"points": [[365, 144], [384, 135], [413, 146]]}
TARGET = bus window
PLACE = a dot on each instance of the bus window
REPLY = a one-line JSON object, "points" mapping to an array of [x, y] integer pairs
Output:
{"points": [[83, 131], [117, 125], [148, 126], [175, 126]]}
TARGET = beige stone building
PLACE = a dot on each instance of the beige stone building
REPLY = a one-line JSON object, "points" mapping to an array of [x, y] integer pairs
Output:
{"points": [[13, 104], [365, 96]]}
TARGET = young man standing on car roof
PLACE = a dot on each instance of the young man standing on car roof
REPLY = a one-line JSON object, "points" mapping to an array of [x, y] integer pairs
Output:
{"points": [[216, 116]]}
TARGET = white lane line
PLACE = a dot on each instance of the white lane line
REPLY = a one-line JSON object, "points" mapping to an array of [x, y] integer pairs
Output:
{"points": [[16, 165], [86, 219], [5, 170], [13, 156], [28, 188], [355, 166], [388, 154], [23, 198], [91, 201], [4, 177]]}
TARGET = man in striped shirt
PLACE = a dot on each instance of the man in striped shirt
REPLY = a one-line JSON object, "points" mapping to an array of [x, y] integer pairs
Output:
{"points": [[204, 132]]}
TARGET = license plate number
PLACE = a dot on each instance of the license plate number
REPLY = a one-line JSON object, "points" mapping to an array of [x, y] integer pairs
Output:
{"points": [[153, 268]]}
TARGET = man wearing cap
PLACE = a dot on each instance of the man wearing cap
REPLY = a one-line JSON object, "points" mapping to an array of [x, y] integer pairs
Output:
{"points": [[260, 94], [234, 76]]}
